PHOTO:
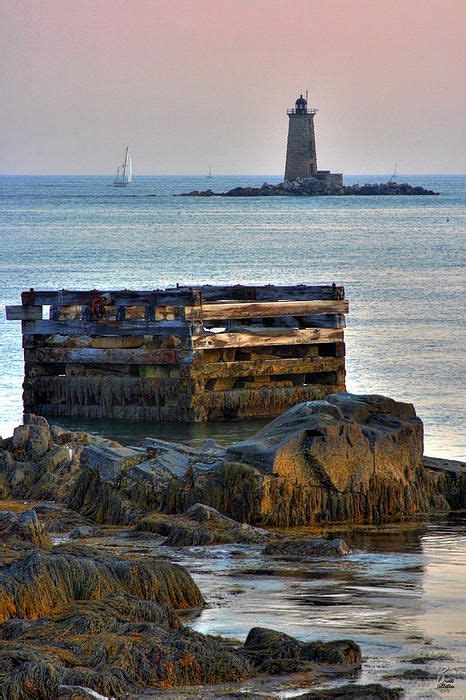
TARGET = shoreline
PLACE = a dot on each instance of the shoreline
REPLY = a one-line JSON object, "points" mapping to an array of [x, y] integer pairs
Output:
{"points": [[90, 553]]}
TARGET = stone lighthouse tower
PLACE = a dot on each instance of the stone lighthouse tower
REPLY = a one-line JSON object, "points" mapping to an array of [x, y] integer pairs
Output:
{"points": [[301, 158]]}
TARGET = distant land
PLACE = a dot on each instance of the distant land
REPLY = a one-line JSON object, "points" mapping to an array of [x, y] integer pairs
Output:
{"points": [[312, 187]]}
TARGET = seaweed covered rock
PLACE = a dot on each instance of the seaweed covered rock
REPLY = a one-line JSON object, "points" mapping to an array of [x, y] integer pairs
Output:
{"points": [[40, 461], [202, 525], [308, 548], [23, 529], [276, 652], [349, 457], [101, 501], [114, 647], [37, 584]]}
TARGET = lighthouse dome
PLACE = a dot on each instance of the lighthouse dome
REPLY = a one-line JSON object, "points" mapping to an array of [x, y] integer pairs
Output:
{"points": [[301, 105]]}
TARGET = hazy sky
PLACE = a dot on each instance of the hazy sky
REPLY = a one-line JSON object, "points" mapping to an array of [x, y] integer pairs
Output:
{"points": [[188, 83]]}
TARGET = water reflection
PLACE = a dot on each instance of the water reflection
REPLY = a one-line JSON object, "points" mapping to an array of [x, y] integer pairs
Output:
{"points": [[133, 432], [398, 595]]}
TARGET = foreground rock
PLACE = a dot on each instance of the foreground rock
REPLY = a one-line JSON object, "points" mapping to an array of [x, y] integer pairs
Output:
{"points": [[187, 530], [308, 548], [313, 187], [77, 623], [23, 529], [36, 584], [275, 652]]}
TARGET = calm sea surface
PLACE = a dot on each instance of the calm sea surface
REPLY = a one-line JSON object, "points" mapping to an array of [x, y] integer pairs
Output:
{"points": [[401, 259]]}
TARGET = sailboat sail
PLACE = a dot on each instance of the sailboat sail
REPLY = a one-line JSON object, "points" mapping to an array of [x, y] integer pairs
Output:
{"points": [[129, 167], [124, 172]]}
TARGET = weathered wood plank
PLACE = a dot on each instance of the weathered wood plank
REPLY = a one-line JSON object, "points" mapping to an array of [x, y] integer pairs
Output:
{"points": [[129, 356], [184, 296], [270, 337], [105, 328], [268, 292], [314, 321], [303, 365], [121, 297], [21, 313], [271, 309]]}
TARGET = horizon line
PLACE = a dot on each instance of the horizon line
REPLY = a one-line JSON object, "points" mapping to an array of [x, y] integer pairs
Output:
{"points": [[110, 175]]}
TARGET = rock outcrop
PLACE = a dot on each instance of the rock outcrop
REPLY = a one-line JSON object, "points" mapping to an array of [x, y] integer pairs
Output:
{"points": [[345, 458], [23, 529], [202, 525], [315, 187], [275, 652]]}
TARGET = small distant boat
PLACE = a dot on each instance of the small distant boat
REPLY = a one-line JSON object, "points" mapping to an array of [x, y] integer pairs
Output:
{"points": [[210, 172], [395, 174], [124, 173]]}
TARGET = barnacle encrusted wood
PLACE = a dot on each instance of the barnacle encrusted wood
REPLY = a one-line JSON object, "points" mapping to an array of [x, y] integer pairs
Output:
{"points": [[181, 354]]}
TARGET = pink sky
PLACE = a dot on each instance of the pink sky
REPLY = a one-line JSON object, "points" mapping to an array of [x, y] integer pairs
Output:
{"points": [[192, 83]]}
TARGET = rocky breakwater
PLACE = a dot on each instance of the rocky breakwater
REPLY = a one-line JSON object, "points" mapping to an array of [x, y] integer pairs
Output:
{"points": [[347, 458], [314, 187]]}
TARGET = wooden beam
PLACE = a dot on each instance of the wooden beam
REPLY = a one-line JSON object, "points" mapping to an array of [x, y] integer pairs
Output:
{"points": [[106, 328], [184, 296], [303, 365], [121, 297], [271, 309], [268, 292], [130, 356], [22, 313], [279, 336]]}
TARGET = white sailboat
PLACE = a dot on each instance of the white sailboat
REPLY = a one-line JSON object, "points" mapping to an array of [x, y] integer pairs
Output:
{"points": [[124, 173], [210, 172]]}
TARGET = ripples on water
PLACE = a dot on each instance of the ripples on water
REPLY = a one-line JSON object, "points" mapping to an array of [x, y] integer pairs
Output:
{"points": [[399, 594], [401, 259]]}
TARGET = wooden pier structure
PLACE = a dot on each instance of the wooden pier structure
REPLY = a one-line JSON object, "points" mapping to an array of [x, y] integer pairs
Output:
{"points": [[186, 354]]}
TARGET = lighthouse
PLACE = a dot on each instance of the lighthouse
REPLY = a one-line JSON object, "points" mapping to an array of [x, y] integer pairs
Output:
{"points": [[301, 158]]}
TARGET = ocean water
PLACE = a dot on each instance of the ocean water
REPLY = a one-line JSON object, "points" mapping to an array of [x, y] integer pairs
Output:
{"points": [[396, 594], [401, 259]]}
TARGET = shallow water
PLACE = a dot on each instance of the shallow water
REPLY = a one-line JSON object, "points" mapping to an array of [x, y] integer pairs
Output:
{"points": [[402, 260], [399, 595]]}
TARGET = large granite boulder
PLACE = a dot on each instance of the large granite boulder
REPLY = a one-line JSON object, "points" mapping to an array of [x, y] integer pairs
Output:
{"points": [[339, 443], [345, 458]]}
